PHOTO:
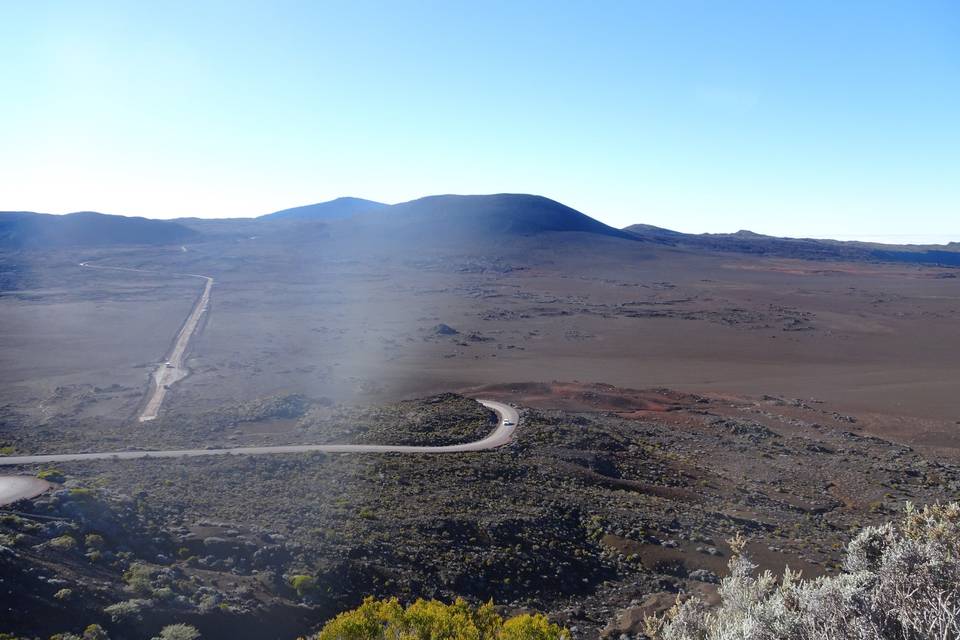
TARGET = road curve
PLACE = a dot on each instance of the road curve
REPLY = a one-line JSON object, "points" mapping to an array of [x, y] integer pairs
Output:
{"points": [[508, 420], [13, 488], [173, 368]]}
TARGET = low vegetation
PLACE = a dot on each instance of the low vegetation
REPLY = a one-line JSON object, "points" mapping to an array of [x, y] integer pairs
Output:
{"points": [[593, 517], [901, 580], [388, 619], [51, 475]]}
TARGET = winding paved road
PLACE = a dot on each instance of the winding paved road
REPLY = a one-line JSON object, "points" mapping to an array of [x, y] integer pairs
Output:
{"points": [[508, 419]]}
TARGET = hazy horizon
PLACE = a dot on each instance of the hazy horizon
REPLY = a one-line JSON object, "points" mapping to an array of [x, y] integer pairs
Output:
{"points": [[810, 119], [894, 238]]}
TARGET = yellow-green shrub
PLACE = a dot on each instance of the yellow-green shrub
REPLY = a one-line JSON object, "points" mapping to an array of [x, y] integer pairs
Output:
{"points": [[52, 475], [64, 542], [388, 619], [303, 584]]}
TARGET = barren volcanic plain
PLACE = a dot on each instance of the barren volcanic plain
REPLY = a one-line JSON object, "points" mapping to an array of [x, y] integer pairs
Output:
{"points": [[671, 394]]}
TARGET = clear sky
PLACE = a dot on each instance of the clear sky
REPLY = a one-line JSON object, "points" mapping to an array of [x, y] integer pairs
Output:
{"points": [[817, 118]]}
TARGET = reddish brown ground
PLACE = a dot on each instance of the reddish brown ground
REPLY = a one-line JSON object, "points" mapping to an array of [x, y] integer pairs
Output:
{"points": [[666, 406]]}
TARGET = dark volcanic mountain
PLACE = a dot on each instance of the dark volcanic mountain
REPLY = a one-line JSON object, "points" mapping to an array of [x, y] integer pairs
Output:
{"points": [[26, 230], [748, 242], [332, 210]]}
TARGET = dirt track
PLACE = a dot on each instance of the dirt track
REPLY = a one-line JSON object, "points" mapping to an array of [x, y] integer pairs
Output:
{"points": [[173, 368]]}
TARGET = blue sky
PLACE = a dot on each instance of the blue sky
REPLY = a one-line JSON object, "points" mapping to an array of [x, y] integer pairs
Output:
{"points": [[812, 118]]}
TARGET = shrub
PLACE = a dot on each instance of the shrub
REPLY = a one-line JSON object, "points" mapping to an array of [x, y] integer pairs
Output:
{"points": [[532, 627], [900, 581], [164, 593], [95, 632], [139, 579], [64, 543], [178, 632], [303, 584], [8, 540], [387, 619], [128, 609], [93, 541], [52, 475]]}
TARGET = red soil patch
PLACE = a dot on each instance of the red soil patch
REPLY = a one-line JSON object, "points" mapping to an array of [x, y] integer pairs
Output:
{"points": [[577, 396]]}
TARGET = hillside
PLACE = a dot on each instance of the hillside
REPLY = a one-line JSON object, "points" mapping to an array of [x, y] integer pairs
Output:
{"points": [[618, 503], [484, 216], [748, 242], [27, 230]]}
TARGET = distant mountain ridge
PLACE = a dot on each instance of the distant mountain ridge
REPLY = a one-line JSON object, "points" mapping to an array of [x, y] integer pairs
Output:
{"points": [[28, 230], [453, 221], [750, 243]]}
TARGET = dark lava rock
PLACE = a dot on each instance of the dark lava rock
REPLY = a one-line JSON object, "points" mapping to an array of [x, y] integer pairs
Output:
{"points": [[271, 556], [703, 575], [445, 330]]}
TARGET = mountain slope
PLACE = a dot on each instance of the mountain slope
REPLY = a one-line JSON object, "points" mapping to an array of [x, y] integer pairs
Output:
{"points": [[748, 242], [331, 210], [27, 230], [507, 214]]}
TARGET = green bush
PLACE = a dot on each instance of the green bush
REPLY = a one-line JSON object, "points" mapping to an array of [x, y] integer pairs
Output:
{"points": [[64, 543], [531, 627], [303, 584], [93, 541], [52, 475], [139, 579], [95, 632], [126, 610], [178, 632], [388, 619]]}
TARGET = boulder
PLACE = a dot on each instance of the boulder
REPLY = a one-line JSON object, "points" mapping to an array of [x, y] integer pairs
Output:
{"points": [[445, 330]]}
